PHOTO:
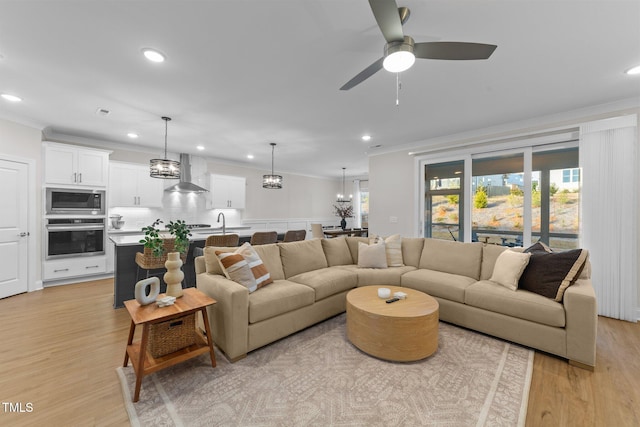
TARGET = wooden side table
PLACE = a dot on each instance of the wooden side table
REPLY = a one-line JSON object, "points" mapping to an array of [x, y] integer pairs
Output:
{"points": [[144, 363]]}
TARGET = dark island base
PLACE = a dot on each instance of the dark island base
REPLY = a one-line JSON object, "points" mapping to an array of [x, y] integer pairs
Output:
{"points": [[126, 268]]}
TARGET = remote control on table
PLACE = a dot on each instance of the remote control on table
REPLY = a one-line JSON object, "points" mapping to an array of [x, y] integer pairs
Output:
{"points": [[389, 301]]}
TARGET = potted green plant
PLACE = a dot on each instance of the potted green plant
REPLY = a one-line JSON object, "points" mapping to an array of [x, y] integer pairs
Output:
{"points": [[179, 230], [152, 239]]}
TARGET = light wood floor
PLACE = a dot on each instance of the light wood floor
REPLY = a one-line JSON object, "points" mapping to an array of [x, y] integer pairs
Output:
{"points": [[60, 347]]}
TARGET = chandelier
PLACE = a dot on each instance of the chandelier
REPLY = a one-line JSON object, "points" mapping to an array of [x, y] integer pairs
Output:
{"points": [[272, 181], [341, 197], [164, 168]]}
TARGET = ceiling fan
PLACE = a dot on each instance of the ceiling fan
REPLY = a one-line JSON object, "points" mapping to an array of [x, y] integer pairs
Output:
{"points": [[401, 51]]}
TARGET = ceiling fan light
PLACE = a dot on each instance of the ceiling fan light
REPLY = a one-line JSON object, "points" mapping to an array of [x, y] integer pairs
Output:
{"points": [[399, 61], [398, 55]]}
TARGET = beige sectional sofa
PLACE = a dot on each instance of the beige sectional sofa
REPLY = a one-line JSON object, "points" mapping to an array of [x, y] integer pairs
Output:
{"points": [[312, 278]]}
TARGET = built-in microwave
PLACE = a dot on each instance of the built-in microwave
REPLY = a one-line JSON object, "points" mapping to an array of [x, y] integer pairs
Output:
{"points": [[68, 201]]}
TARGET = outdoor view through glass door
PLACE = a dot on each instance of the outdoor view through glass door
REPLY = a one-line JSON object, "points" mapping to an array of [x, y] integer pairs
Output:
{"points": [[513, 198], [444, 201]]}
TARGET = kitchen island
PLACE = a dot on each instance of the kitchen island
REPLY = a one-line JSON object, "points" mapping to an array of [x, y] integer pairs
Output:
{"points": [[126, 269]]}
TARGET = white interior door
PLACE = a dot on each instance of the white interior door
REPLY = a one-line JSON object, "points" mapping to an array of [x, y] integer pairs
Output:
{"points": [[13, 228]]}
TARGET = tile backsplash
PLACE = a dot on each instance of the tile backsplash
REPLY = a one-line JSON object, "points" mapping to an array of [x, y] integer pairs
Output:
{"points": [[188, 207]]}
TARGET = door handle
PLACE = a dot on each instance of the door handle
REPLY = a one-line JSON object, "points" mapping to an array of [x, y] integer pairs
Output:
{"points": [[23, 234]]}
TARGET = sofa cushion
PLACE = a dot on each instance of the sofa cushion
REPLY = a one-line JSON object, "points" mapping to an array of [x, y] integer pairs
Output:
{"points": [[437, 283], [490, 254], [393, 249], [372, 256], [327, 281], [521, 304], [378, 276], [412, 250], [336, 251], [299, 257], [282, 296], [509, 267], [270, 256], [452, 257], [211, 261], [352, 242], [550, 273]]}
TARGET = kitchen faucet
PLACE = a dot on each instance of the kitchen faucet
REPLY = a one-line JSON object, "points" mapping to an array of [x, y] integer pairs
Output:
{"points": [[224, 225]]}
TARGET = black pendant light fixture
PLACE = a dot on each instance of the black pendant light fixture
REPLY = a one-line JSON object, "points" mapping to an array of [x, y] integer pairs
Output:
{"points": [[341, 197], [272, 181], [165, 168]]}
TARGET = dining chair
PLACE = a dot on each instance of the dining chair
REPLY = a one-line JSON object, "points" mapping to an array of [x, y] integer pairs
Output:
{"points": [[294, 235], [222, 240], [264, 237], [316, 231]]}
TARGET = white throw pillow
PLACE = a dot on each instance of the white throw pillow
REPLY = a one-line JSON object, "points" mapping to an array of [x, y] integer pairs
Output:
{"points": [[372, 256], [393, 245], [509, 267]]}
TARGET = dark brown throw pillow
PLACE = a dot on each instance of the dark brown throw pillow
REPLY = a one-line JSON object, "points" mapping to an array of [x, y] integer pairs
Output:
{"points": [[550, 273]]}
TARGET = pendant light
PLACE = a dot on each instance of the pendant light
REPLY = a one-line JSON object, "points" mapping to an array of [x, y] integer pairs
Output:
{"points": [[341, 197], [272, 181], [165, 168]]}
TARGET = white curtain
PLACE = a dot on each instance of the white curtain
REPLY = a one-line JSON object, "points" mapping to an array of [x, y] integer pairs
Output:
{"points": [[357, 208], [609, 212]]}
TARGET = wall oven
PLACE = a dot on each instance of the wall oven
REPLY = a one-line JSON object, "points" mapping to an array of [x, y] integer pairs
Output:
{"points": [[67, 201], [72, 237]]}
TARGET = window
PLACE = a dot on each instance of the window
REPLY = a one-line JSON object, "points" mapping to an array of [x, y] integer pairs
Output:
{"points": [[570, 175], [555, 204], [498, 199], [444, 200], [512, 197]]}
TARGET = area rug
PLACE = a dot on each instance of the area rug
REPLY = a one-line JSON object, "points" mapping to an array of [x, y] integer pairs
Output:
{"points": [[317, 378]]}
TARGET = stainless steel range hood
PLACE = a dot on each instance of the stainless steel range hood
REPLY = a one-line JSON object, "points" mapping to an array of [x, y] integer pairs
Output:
{"points": [[185, 185]]}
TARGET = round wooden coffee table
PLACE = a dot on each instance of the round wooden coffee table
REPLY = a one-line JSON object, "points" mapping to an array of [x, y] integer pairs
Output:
{"points": [[402, 331]]}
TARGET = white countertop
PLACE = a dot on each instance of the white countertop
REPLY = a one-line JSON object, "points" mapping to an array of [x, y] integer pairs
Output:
{"points": [[129, 237]]}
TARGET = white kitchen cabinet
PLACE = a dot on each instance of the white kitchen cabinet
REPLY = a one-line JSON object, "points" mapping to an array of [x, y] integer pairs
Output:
{"points": [[74, 267], [227, 192], [131, 186], [73, 165]]}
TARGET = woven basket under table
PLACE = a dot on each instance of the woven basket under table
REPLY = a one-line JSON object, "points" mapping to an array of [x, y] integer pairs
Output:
{"points": [[172, 335]]}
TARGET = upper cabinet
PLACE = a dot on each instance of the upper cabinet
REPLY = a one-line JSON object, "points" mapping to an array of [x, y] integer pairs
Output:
{"points": [[226, 192], [74, 165], [131, 186]]}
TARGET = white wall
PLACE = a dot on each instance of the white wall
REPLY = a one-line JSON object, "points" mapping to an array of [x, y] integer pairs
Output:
{"points": [[22, 142], [301, 197], [392, 197], [393, 177]]}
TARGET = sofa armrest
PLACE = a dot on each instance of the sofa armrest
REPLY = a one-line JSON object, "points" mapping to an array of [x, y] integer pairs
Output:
{"points": [[582, 322], [229, 317]]}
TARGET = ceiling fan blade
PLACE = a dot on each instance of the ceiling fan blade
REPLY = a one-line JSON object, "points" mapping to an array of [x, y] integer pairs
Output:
{"points": [[453, 50], [388, 19], [364, 74]]}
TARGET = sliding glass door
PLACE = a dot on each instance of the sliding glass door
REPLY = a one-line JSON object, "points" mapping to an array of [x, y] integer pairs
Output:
{"points": [[444, 200], [511, 198]]}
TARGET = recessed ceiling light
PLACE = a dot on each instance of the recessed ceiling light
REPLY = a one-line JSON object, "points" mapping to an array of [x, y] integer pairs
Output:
{"points": [[11, 98], [153, 55], [132, 135], [633, 71], [249, 156], [366, 137], [200, 147]]}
